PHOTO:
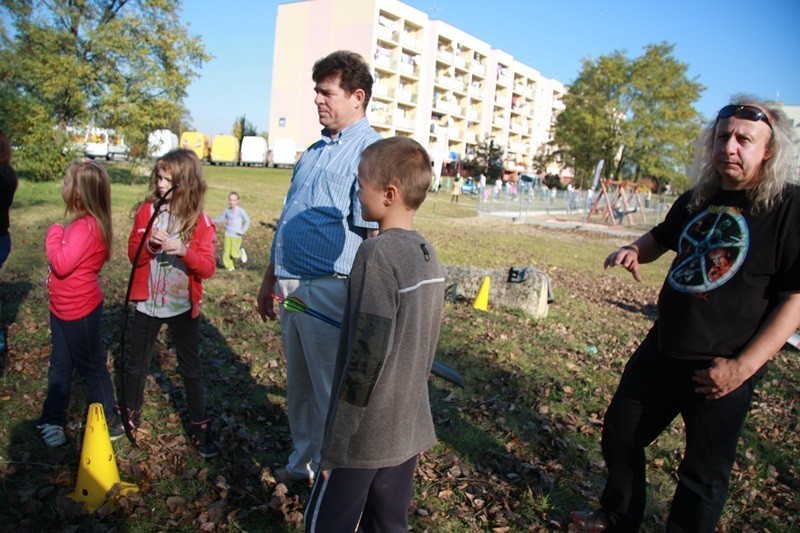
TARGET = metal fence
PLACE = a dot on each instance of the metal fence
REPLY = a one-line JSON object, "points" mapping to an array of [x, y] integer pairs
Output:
{"points": [[506, 202]]}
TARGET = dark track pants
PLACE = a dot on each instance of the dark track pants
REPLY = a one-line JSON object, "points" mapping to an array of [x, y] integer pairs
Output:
{"points": [[374, 500], [654, 389]]}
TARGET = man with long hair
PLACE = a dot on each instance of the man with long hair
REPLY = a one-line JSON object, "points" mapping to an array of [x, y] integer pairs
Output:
{"points": [[716, 328]]}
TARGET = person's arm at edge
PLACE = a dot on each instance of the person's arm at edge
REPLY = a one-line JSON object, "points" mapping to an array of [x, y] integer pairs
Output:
{"points": [[643, 250], [725, 375], [266, 306]]}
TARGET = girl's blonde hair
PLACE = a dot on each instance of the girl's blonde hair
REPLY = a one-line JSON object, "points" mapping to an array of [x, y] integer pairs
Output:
{"points": [[190, 188], [89, 192]]}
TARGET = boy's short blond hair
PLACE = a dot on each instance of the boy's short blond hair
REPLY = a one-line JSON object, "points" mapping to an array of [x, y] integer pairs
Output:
{"points": [[398, 161]]}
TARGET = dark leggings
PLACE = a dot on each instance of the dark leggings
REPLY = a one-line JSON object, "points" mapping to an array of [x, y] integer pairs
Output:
{"points": [[185, 332], [374, 500]]}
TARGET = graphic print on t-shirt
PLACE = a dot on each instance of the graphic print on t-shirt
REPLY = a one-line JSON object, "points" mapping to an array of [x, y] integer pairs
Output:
{"points": [[711, 249]]}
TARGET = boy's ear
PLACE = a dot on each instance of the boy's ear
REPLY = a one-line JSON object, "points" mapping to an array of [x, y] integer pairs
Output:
{"points": [[390, 195]]}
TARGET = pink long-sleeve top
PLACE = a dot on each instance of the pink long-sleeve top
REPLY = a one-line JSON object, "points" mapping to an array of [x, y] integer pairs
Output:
{"points": [[76, 255]]}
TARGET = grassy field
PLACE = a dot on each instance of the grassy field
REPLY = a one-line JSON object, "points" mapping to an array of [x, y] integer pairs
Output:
{"points": [[518, 447]]}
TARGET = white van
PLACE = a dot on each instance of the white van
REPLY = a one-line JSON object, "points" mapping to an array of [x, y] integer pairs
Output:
{"points": [[254, 151], [160, 142], [284, 152], [105, 144], [96, 144]]}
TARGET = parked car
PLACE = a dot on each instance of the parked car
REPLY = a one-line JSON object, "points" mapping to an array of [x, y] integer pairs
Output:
{"points": [[469, 186], [528, 183]]}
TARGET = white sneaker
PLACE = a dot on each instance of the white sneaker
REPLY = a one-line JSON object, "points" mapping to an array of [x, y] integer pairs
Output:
{"points": [[231, 269], [243, 255], [52, 434]]}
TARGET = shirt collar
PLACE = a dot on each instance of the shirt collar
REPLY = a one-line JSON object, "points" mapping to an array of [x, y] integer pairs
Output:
{"points": [[350, 131]]}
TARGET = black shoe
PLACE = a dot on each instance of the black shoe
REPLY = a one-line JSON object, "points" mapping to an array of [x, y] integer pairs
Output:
{"points": [[587, 522], [203, 439], [134, 419]]}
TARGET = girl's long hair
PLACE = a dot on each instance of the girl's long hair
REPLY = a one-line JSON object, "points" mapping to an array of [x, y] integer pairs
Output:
{"points": [[89, 192], [5, 149], [188, 197], [778, 170]]}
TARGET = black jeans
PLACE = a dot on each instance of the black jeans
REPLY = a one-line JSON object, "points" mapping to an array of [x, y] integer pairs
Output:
{"points": [[185, 332], [654, 389], [77, 345]]}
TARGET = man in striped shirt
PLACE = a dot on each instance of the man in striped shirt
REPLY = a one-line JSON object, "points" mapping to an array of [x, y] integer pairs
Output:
{"points": [[312, 252]]}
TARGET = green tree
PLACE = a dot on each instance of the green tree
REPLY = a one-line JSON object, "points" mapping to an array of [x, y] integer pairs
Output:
{"points": [[124, 64], [636, 114], [488, 160], [243, 127]]}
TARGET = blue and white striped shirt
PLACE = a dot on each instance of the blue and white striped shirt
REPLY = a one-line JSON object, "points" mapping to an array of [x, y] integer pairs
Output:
{"points": [[321, 227]]}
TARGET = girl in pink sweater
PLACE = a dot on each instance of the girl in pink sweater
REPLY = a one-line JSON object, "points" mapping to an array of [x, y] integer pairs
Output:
{"points": [[75, 255]]}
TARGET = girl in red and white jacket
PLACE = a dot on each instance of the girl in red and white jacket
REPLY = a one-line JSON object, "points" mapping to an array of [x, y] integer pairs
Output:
{"points": [[177, 256], [75, 255]]}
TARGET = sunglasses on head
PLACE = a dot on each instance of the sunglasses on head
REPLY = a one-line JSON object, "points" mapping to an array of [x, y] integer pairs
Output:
{"points": [[747, 112]]}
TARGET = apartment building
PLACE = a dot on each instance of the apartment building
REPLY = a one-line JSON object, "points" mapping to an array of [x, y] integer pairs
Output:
{"points": [[793, 113], [433, 82]]}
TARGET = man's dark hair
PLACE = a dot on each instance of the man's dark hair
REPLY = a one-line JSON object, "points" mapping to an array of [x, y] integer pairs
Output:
{"points": [[350, 67]]}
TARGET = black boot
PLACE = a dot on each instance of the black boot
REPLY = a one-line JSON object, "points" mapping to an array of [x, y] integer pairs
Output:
{"points": [[134, 417], [203, 439]]}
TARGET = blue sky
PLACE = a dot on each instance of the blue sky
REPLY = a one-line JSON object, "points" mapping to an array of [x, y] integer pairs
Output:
{"points": [[730, 46]]}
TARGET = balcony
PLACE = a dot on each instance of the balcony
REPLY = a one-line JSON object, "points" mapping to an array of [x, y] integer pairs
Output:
{"points": [[473, 115], [380, 89], [384, 61], [387, 34], [411, 41], [407, 68], [405, 95]]}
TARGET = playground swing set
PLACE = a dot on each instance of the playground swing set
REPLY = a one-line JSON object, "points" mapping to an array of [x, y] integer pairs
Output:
{"points": [[616, 201]]}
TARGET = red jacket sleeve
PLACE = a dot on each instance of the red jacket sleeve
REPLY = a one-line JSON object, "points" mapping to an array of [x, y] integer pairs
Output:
{"points": [[199, 258], [137, 234], [66, 248]]}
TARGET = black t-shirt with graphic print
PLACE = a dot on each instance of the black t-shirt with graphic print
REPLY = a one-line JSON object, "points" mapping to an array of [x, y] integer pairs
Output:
{"points": [[728, 271]]}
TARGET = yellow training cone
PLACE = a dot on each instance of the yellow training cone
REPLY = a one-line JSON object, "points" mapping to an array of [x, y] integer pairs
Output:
{"points": [[482, 300], [98, 472]]}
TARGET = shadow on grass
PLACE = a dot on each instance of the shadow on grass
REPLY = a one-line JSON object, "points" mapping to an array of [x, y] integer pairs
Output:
{"points": [[251, 431], [12, 294], [649, 310]]}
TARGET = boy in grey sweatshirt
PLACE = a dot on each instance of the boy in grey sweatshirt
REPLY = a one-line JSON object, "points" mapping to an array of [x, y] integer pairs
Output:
{"points": [[379, 418]]}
